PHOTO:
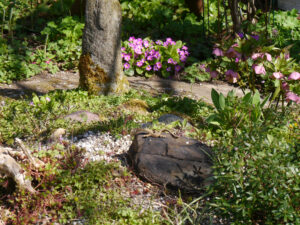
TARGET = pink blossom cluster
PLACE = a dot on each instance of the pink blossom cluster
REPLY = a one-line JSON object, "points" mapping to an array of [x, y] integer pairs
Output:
{"points": [[294, 76], [147, 55], [258, 68]]}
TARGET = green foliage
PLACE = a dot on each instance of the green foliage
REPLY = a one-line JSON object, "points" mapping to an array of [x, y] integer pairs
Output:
{"points": [[233, 113], [284, 30], [256, 166], [70, 189], [255, 64], [63, 40], [196, 72]]}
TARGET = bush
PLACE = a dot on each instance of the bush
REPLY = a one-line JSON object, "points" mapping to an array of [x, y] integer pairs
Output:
{"points": [[256, 167]]}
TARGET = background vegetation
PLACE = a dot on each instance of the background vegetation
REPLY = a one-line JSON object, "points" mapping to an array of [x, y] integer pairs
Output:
{"points": [[256, 143]]}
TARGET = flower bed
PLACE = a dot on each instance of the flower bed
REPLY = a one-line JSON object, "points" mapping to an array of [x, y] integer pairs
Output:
{"points": [[147, 57]]}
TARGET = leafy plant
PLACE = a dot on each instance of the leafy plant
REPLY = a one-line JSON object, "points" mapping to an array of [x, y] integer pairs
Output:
{"points": [[149, 57], [233, 114], [249, 63]]}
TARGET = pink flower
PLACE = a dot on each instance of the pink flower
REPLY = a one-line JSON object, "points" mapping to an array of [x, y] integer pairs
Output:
{"points": [[123, 49], [285, 86], [48, 99], [218, 52], [158, 65], [290, 96], [177, 68], [126, 66], [140, 63], [184, 47], [232, 76], [256, 56], [232, 53], [169, 69], [277, 75], [48, 61], [131, 38], [269, 57], [127, 57], [148, 68], [294, 76], [202, 66], [213, 74], [146, 43], [287, 55], [237, 60], [259, 69]]}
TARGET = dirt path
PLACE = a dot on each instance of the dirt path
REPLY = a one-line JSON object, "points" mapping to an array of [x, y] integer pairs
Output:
{"points": [[45, 82]]}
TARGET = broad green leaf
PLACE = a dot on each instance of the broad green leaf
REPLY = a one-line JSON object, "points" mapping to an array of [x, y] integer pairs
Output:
{"points": [[139, 71], [215, 98], [222, 101], [129, 72], [231, 94], [256, 98], [247, 98], [265, 100], [275, 94]]}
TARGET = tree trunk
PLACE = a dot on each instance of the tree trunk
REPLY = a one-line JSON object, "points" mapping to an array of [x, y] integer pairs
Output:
{"points": [[100, 65], [235, 15]]}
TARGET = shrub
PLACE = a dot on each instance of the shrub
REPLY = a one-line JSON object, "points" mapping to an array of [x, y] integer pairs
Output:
{"points": [[250, 62], [256, 169]]}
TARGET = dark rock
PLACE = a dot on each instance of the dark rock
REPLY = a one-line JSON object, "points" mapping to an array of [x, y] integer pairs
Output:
{"points": [[184, 163], [83, 116], [166, 119]]}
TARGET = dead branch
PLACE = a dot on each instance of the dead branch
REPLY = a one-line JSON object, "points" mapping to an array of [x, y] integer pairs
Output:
{"points": [[11, 168], [35, 162]]}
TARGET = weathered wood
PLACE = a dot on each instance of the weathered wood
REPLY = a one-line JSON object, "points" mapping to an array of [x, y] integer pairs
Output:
{"points": [[11, 168]]}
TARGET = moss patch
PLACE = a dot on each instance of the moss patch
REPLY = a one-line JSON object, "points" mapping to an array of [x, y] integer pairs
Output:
{"points": [[92, 77], [96, 81], [137, 106]]}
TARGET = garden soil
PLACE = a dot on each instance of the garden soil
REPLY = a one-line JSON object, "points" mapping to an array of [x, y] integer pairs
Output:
{"points": [[45, 82]]}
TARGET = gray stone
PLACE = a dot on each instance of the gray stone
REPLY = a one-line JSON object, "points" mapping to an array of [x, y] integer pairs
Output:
{"points": [[184, 163], [100, 65], [166, 119], [83, 116]]}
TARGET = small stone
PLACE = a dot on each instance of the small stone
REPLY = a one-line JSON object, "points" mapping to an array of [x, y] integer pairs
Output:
{"points": [[57, 134], [83, 117]]}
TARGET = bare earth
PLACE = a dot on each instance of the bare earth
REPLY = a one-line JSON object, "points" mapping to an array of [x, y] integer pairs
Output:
{"points": [[46, 82]]}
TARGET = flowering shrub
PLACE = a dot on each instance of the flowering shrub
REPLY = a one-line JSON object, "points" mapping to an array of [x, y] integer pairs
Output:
{"points": [[146, 57], [249, 62]]}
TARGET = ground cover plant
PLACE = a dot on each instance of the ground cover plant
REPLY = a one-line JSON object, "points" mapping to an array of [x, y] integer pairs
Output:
{"points": [[255, 143], [256, 158]]}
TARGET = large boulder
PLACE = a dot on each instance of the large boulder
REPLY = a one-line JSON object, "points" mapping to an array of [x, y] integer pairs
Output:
{"points": [[183, 162], [100, 64]]}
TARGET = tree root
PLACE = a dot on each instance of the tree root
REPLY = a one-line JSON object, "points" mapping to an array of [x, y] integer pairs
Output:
{"points": [[10, 168]]}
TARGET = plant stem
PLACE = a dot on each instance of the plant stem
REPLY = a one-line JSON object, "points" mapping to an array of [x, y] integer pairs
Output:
{"points": [[3, 23]]}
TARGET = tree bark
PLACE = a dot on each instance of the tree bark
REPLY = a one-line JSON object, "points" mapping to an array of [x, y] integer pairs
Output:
{"points": [[100, 65], [235, 15]]}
